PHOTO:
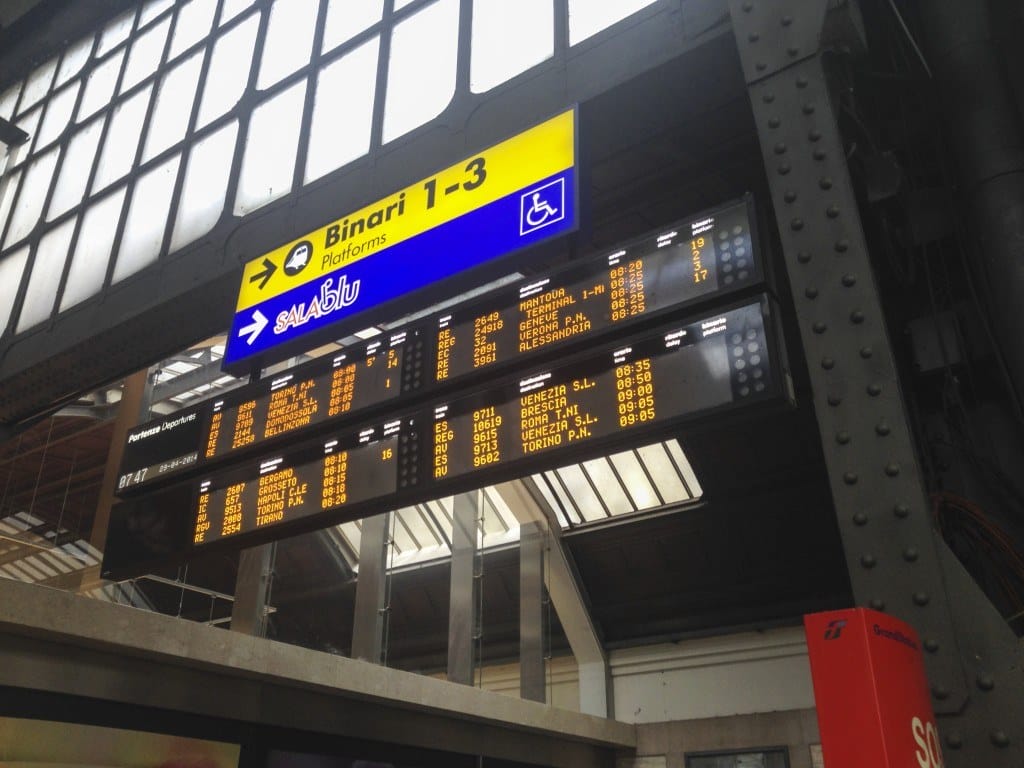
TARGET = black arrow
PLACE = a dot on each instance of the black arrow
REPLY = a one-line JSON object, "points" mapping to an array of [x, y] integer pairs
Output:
{"points": [[269, 268]]}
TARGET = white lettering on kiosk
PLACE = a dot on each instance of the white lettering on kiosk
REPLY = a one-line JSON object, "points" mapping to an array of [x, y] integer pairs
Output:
{"points": [[928, 753]]}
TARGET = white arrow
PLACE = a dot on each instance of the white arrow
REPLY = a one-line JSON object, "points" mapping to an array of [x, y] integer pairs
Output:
{"points": [[259, 322]]}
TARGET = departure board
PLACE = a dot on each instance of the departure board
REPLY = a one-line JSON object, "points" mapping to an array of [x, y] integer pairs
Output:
{"points": [[292, 402], [325, 390], [624, 391], [287, 487], [691, 368], [693, 260], [679, 264]]}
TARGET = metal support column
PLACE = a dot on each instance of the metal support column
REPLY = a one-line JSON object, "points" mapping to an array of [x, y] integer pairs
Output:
{"points": [[531, 612], [252, 585], [877, 488], [368, 623], [462, 607], [525, 501]]}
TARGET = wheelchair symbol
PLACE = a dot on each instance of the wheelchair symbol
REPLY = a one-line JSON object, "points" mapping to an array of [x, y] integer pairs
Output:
{"points": [[542, 206], [539, 211]]}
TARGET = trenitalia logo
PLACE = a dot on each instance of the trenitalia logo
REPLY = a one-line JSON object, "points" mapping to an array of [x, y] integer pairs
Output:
{"points": [[834, 629]]}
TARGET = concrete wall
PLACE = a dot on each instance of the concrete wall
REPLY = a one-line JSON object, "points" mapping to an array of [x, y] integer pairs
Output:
{"points": [[745, 691], [740, 674], [665, 745]]}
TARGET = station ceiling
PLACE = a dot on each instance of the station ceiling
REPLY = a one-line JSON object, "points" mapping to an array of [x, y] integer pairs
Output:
{"points": [[759, 547]]}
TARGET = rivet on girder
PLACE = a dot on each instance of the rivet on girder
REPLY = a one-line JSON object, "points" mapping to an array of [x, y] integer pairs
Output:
{"points": [[901, 511], [868, 561], [849, 280], [882, 429], [828, 363], [930, 645], [954, 740], [985, 682], [819, 327], [803, 257], [920, 599], [786, 21], [814, 134], [796, 224], [789, 196], [842, 245], [834, 400], [866, 352], [811, 292], [860, 518], [843, 437], [784, 168], [910, 554], [780, 148], [753, 37], [1000, 739], [808, 108], [892, 469], [856, 317], [940, 692], [801, 82], [832, 211], [792, 50], [748, 7], [874, 390], [850, 478], [819, 154], [774, 122], [877, 604], [760, 66], [768, 98]]}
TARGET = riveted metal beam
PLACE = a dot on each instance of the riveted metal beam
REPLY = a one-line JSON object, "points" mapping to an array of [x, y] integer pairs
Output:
{"points": [[894, 559], [877, 488]]}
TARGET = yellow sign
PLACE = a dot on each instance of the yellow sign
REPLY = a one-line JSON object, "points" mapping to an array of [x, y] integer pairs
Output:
{"points": [[455, 191]]}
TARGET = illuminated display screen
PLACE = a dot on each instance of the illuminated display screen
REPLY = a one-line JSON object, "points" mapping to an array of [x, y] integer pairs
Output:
{"points": [[287, 487], [686, 262], [625, 391], [328, 389], [296, 402], [680, 264], [683, 370]]}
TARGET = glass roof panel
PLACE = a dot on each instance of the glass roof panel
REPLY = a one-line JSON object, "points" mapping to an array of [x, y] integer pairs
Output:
{"points": [[347, 18], [11, 268], [270, 149], [635, 479], [609, 488], [341, 127], [582, 493], [58, 114], [145, 55], [288, 43], [74, 59], [74, 172], [92, 252], [99, 87], [116, 32], [195, 20], [666, 477], [587, 18], [421, 71], [508, 39], [51, 254]]}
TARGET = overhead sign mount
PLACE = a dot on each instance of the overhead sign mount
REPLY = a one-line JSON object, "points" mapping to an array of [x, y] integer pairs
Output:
{"points": [[507, 197]]}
